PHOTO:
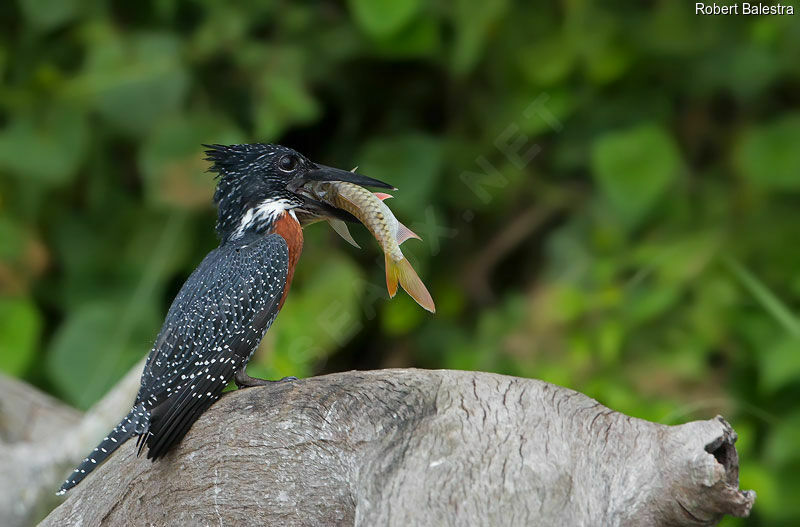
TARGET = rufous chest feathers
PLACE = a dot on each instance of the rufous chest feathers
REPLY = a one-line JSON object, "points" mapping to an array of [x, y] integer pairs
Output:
{"points": [[288, 227]]}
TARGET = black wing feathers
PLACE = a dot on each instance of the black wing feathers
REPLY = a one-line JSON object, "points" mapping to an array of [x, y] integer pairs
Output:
{"points": [[213, 326], [171, 420]]}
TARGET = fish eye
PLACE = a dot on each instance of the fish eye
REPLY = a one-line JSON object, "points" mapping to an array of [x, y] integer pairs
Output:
{"points": [[287, 163]]}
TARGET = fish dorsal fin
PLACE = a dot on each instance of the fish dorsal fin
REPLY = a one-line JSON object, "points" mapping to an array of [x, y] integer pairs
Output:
{"points": [[383, 196], [340, 228], [404, 233]]}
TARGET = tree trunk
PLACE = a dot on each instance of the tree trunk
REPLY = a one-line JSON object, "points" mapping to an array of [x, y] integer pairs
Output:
{"points": [[416, 447]]}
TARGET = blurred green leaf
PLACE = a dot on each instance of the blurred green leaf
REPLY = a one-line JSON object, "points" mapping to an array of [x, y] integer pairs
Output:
{"points": [[609, 340], [101, 338], [106, 258], [783, 441], [669, 29], [280, 89], [47, 147], [679, 261], [767, 482], [547, 61], [173, 163], [634, 167], [132, 80], [647, 303], [474, 21], [76, 351], [604, 56], [768, 155], [12, 239], [317, 318], [420, 38], [771, 303], [381, 18], [666, 269], [779, 364], [545, 113], [87, 355], [283, 101], [412, 163], [20, 330], [568, 303], [222, 28], [48, 14], [608, 62], [401, 315]]}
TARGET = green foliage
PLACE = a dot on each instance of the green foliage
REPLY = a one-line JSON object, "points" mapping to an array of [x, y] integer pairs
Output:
{"points": [[90, 350], [47, 148], [474, 20], [780, 363], [131, 80], [172, 173], [20, 326], [318, 317], [411, 163], [608, 199], [48, 14], [382, 18], [633, 169], [769, 155]]}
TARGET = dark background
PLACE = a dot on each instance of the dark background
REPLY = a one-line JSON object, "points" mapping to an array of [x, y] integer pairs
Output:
{"points": [[609, 196]]}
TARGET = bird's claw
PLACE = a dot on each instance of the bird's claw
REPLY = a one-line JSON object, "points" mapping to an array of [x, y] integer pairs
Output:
{"points": [[243, 380]]}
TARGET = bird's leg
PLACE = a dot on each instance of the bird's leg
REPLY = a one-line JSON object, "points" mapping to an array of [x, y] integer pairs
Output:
{"points": [[243, 380]]}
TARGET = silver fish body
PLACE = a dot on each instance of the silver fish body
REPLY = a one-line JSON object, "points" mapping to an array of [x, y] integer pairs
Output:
{"points": [[370, 210]]}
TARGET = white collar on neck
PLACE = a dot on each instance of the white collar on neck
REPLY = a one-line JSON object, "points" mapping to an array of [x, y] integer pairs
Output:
{"points": [[266, 212]]}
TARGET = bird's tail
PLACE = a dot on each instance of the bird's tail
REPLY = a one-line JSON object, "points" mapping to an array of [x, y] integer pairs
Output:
{"points": [[405, 274], [127, 428]]}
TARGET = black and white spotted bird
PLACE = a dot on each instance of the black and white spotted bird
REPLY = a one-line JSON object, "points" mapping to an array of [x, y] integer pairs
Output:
{"points": [[227, 304]]}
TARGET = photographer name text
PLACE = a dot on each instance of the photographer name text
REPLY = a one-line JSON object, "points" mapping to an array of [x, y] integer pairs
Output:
{"points": [[744, 8]]}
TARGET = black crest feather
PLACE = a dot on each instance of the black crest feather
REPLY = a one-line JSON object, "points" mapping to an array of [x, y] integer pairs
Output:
{"points": [[227, 159]]}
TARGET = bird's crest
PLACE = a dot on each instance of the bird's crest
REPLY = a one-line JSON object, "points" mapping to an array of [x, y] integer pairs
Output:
{"points": [[229, 159]]}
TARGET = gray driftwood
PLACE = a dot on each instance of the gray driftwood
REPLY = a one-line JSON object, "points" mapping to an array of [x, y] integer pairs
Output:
{"points": [[40, 440], [415, 447]]}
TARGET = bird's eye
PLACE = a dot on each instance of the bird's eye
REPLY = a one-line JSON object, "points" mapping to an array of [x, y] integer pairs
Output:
{"points": [[287, 163]]}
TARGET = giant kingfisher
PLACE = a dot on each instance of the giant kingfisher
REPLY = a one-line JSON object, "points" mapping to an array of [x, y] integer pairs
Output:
{"points": [[222, 312]]}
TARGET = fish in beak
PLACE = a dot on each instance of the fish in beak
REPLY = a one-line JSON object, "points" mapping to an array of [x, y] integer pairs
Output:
{"points": [[315, 210], [368, 208]]}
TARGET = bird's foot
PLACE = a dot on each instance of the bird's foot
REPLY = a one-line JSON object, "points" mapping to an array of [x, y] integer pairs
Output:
{"points": [[243, 380]]}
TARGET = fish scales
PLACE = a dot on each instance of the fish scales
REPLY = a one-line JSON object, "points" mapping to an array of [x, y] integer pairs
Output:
{"points": [[370, 210]]}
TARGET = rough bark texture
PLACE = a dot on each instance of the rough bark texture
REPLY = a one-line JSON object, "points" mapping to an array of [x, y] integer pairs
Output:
{"points": [[414, 447]]}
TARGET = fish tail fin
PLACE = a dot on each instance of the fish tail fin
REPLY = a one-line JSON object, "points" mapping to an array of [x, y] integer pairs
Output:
{"points": [[403, 273], [391, 276]]}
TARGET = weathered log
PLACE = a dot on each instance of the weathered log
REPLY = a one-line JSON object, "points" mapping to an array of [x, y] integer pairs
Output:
{"points": [[40, 439], [415, 447]]}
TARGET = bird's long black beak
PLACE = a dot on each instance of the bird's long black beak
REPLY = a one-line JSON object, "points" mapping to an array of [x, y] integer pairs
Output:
{"points": [[323, 173], [316, 209]]}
